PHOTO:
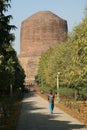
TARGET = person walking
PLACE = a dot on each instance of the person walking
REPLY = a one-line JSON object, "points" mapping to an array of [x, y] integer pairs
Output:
{"points": [[51, 101]]}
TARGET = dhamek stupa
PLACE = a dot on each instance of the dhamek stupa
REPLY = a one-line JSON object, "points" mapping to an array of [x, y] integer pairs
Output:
{"points": [[40, 31]]}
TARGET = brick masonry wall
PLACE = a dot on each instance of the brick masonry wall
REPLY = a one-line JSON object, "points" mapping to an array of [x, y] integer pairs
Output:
{"points": [[39, 32]]}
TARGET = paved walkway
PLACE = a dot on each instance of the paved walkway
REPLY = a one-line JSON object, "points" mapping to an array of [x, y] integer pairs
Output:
{"points": [[35, 116]]}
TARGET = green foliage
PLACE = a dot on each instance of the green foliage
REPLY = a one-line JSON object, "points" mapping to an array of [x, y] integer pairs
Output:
{"points": [[5, 28], [70, 59], [11, 72], [83, 91], [45, 89], [43, 65], [66, 92]]}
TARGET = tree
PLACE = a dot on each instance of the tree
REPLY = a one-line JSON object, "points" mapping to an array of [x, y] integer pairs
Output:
{"points": [[5, 27], [9, 64], [70, 59]]}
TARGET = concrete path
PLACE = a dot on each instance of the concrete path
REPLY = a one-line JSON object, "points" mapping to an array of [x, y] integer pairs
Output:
{"points": [[35, 116]]}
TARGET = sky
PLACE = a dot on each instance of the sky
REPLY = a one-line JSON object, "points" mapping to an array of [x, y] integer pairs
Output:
{"points": [[70, 10]]}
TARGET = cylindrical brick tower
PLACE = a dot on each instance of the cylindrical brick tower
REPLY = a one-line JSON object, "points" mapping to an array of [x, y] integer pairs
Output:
{"points": [[39, 32]]}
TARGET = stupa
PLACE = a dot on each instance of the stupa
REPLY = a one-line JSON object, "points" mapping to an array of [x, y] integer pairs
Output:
{"points": [[38, 32]]}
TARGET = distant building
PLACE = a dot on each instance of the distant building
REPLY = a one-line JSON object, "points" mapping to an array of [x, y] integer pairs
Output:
{"points": [[40, 31]]}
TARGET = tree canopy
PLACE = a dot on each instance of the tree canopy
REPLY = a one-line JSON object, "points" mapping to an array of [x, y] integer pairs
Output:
{"points": [[70, 59], [11, 72]]}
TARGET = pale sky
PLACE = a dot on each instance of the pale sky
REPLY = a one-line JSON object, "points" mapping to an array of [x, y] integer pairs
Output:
{"points": [[70, 10]]}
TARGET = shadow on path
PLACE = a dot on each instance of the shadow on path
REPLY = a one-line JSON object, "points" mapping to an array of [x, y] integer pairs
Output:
{"points": [[35, 116]]}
